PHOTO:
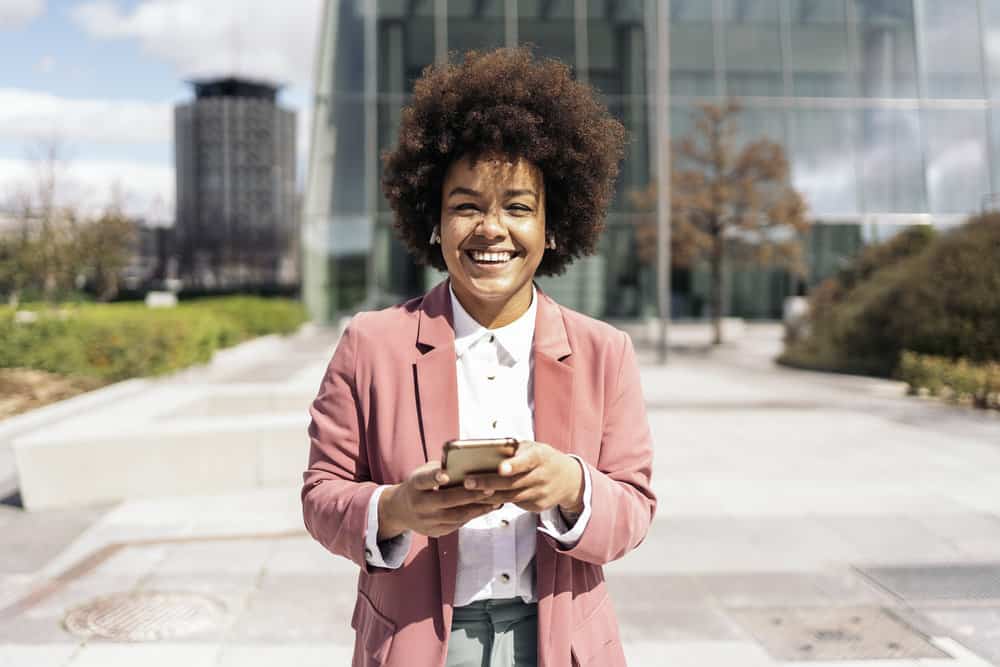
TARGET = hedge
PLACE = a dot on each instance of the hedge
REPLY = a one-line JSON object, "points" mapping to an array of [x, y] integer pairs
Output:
{"points": [[957, 380], [933, 294], [120, 341]]}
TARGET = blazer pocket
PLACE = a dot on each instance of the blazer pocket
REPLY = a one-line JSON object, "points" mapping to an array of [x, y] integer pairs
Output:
{"points": [[374, 633], [596, 640]]}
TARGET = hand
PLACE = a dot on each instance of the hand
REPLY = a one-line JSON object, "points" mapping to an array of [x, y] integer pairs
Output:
{"points": [[536, 478], [421, 505]]}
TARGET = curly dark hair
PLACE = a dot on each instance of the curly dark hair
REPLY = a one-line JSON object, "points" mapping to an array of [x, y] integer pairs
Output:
{"points": [[506, 102]]}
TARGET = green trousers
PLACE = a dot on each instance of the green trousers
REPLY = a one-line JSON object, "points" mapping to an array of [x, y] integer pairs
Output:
{"points": [[494, 633]]}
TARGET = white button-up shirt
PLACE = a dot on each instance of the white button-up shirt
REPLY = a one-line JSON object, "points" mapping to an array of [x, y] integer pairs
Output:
{"points": [[496, 551]]}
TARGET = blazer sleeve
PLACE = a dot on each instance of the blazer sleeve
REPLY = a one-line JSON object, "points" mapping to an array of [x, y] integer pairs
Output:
{"points": [[622, 500], [337, 485]]}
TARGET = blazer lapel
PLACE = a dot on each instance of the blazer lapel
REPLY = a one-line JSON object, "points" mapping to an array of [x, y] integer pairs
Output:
{"points": [[553, 375], [437, 406]]}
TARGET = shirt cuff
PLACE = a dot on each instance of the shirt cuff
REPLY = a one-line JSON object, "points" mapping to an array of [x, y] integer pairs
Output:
{"points": [[389, 554], [555, 524]]}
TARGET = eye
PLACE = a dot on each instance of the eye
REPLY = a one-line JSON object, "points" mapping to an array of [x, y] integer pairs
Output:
{"points": [[467, 206], [521, 208]]}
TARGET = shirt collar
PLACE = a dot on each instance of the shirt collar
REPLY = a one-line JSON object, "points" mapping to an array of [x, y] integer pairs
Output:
{"points": [[515, 338]]}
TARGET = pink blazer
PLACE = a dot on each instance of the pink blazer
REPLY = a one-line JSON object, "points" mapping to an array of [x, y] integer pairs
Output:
{"points": [[388, 403]]}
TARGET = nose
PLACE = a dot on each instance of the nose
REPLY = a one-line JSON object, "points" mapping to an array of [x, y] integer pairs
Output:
{"points": [[491, 226]]}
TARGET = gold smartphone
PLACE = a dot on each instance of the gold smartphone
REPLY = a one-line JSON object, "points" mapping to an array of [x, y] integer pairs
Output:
{"points": [[463, 457]]}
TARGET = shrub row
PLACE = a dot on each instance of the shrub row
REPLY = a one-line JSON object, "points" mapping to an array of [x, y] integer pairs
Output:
{"points": [[931, 293], [957, 380], [119, 341]]}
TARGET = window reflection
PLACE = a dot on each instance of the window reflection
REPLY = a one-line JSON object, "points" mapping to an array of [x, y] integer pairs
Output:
{"points": [[819, 60], [956, 160], [951, 48], [616, 57], [892, 164], [405, 44], [753, 47], [476, 24], [692, 49], [887, 62], [823, 161], [548, 27], [991, 37]]}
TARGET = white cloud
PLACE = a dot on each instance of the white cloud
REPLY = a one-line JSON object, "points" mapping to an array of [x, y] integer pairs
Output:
{"points": [[147, 189], [16, 14], [26, 115], [254, 38]]}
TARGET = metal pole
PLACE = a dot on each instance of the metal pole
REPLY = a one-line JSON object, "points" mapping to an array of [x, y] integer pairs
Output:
{"points": [[663, 173]]}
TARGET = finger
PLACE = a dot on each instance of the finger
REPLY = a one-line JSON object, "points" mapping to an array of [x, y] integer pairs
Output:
{"points": [[455, 496], [525, 460], [493, 482], [428, 476]]}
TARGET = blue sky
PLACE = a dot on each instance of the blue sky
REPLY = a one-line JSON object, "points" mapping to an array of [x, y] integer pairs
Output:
{"points": [[103, 75]]}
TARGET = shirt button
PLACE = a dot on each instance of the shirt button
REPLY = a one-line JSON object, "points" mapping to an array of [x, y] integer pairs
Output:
{"points": [[368, 552], [492, 338], [491, 377], [504, 522], [494, 423], [505, 577]]}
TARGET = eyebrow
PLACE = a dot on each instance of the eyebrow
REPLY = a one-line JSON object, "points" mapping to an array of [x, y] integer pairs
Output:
{"points": [[475, 193]]}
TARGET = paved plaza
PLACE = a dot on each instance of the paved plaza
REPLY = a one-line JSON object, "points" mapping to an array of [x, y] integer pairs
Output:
{"points": [[804, 518]]}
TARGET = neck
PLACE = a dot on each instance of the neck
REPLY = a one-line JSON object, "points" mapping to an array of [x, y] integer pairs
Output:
{"points": [[496, 314]]}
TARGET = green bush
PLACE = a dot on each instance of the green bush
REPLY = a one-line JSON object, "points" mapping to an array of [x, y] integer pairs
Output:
{"points": [[119, 341], [957, 380], [937, 295]]}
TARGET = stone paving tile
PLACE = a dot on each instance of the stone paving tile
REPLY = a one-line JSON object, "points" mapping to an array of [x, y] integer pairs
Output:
{"points": [[298, 608], [667, 607], [35, 655], [697, 654], [299, 655], [304, 555], [157, 654], [30, 538], [977, 628], [891, 539]]}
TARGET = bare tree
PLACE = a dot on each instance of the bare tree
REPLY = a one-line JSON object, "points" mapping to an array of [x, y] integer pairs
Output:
{"points": [[730, 198], [50, 244]]}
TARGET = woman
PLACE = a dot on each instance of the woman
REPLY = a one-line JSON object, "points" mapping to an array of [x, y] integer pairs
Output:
{"points": [[504, 170]]}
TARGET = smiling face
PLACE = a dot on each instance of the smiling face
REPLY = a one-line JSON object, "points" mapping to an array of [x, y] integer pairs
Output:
{"points": [[493, 235]]}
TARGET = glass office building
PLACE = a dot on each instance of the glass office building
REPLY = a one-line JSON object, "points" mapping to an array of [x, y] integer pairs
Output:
{"points": [[887, 109]]}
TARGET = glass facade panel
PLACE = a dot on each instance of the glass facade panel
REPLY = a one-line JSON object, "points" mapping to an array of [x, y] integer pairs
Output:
{"points": [[692, 50], [616, 54], [476, 24], [549, 27], [405, 44], [819, 55], [892, 161], [822, 160], [886, 45], [995, 156], [991, 44], [752, 40], [952, 63], [957, 168]]}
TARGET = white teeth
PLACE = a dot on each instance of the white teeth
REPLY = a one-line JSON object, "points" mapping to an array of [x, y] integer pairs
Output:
{"points": [[483, 256]]}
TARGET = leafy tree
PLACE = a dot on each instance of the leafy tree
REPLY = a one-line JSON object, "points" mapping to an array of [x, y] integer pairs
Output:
{"points": [[728, 199]]}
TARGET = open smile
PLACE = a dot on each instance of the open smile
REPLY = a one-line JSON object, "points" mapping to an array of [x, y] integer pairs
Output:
{"points": [[491, 258]]}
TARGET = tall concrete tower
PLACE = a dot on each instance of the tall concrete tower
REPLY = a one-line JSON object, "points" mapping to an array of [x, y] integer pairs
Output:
{"points": [[235, 163]]}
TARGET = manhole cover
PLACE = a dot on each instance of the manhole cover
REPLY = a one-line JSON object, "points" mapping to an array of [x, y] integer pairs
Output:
{"points": [[980, 581], [849, 633], [145, 616]]}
